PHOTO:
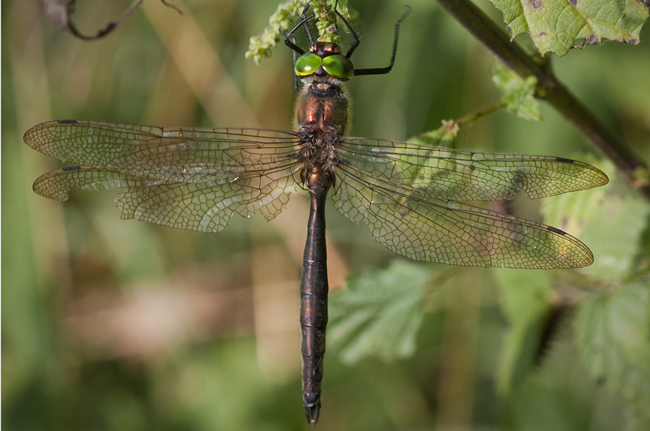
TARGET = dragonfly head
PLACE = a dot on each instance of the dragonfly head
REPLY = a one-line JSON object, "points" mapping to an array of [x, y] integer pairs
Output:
{"points": [[324, 58]]}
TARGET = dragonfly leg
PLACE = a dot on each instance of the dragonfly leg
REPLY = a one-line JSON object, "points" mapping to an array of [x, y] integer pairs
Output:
{"points": [[383, 70]]}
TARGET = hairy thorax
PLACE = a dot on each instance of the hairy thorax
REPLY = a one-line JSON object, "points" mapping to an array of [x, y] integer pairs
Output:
{"points": [[321, 114]]}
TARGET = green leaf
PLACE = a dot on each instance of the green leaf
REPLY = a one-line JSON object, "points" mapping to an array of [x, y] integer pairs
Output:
{"points": [[525, 302], [609, 221], [380, 313], [613, 337], [518, 94], [443, 136], [558, 25], [614, 236]]}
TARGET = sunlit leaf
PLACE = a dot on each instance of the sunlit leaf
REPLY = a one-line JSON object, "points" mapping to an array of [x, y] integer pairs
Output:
{"points": [[558, 25], [380, 313], [613, 334], [610, 223]]}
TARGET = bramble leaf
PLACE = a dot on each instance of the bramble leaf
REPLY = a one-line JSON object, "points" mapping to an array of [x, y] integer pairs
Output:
{"points": [[612, 334], [380, 313], [558, 25], [518, 93], [610, 223]]}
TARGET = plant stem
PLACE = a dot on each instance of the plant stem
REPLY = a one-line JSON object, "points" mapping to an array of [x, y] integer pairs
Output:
{"points": [[631, 168], [482, 112]]}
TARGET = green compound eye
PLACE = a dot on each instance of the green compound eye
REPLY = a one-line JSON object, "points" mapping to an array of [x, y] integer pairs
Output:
{"points": [[307, 64], [338, 66]]}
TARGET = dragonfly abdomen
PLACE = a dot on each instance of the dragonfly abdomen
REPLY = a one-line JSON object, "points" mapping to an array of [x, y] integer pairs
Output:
{"points": [[313, 306]]}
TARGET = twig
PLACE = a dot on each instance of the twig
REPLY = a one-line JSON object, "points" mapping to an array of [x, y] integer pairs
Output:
{"points": [[482, 112], [631, 168], [60, 15]]}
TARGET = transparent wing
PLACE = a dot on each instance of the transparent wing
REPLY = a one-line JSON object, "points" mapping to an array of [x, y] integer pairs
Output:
{"points": [[407, 194], [182, 154], [190, 178], [450, 232], [425, 172]]}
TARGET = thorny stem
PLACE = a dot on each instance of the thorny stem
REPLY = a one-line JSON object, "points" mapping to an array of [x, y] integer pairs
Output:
{"points": [[631, 168]]}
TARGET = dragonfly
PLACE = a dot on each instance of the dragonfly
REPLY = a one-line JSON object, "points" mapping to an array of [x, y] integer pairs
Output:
{"points": [[410, 195]]}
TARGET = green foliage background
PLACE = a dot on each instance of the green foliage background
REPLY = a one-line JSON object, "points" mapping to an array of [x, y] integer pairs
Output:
{"points": [[121, 325]]}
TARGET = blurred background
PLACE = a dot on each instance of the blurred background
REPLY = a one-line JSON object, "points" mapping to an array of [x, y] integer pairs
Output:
{"points": [[123, 325]]}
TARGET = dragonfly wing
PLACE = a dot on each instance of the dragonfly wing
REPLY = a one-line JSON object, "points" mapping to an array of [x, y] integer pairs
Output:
{"points": [[450, 232], [182, 154], [205, 207], [56, 184], [179, 177], [432, 172], [201, 206]]}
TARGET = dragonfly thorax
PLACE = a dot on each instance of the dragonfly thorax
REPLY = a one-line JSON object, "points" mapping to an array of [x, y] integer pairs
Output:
{"points": [[322, 105], [321, 117]]}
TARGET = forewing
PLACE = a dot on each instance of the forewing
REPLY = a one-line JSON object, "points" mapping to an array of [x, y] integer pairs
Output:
{"points": [[184, 178], [450, 232], [170, 155], [427, 172]]}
